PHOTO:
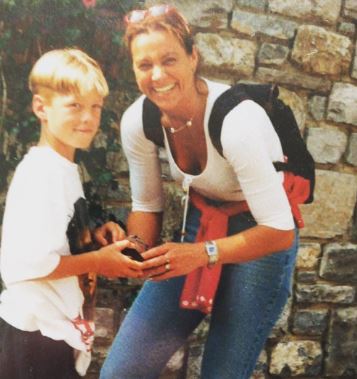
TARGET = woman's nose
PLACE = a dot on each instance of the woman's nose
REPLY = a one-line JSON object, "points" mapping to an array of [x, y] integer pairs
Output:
{"points": [[157, 73]]}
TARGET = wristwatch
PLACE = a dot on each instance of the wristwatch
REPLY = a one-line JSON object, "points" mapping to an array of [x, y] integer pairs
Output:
{"points": [[212, 252]]}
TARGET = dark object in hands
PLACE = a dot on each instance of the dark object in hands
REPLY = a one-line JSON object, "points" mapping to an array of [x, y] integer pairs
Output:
{"points": [[134, 253]]}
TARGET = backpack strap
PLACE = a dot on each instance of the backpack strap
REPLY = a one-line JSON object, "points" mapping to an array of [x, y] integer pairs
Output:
{"points": [[263, 94], [152, 123]]}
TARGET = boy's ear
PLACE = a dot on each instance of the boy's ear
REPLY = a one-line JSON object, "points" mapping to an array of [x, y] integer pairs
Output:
{"points": [[38, 107]]}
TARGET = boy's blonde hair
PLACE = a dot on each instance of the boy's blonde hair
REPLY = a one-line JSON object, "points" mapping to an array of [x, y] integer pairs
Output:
{"points": [[67, 71]]}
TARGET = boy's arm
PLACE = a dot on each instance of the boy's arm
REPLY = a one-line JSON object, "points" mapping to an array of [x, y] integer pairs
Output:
{"points": [[107, 261], [108, 233]]}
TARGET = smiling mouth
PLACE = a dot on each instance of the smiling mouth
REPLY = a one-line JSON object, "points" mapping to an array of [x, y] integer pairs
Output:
{"points": [[164, 89], [87, 131]]}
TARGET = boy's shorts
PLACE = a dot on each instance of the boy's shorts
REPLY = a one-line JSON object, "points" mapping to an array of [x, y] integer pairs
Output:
{"points": [[30, 355]]}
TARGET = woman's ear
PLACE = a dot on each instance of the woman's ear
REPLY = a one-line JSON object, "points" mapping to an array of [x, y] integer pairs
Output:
{"points": [[38, 107], [195, 58]]}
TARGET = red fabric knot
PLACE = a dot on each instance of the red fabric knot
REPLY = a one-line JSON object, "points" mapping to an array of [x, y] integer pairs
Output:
{"points": [[201, 285], [297, 190]]}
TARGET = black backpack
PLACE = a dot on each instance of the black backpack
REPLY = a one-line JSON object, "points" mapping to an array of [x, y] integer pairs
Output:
{"points": [[299, 162]]}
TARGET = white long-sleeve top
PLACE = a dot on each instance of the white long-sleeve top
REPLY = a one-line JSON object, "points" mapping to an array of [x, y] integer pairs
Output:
{"points": [[246, 172]]}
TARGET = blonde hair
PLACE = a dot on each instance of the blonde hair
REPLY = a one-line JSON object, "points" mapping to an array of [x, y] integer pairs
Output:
{"points": [[171, 21], [67, 71]]}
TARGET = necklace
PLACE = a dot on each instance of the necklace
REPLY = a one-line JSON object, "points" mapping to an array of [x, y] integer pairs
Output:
{"points": [[187, 124]]}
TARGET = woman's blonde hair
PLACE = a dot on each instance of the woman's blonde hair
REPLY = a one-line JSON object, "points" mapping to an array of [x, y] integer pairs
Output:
{"points": [[171, 21], [67, 71]]}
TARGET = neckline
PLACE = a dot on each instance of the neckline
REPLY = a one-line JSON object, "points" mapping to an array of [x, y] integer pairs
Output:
{"points": [[207, 112]]}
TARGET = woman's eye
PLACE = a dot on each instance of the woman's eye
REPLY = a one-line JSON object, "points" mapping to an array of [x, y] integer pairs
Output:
{"points": [[170, 61], [144, 66]]}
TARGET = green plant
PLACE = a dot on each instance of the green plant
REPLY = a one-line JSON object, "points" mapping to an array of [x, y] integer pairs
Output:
{"points": [[28, 28]]}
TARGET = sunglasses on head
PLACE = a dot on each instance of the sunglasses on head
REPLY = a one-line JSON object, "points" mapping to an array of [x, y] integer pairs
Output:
{"points": [[139, 15]]}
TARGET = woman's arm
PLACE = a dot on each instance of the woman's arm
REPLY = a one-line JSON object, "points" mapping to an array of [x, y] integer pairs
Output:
{"points": [[146, 225], [245, 246]]}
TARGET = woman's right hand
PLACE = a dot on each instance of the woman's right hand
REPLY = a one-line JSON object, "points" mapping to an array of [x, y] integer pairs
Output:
{"points": [[112, 263]]}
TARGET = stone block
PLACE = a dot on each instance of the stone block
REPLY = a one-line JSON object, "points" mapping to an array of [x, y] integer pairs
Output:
{"points": [[306, 277], [296, 358], [226, 54], [272, 54], [293, 78], [354, 67], [210, 13], [176, 362], [330, 214], [325, 11], [350, 9], [117, 162], [261, 367], [250, 23], [254, 4], [194, 361], [347, 28], [351, 156], [339, 263], [342, 344], [342, 105], [104, 323], [281, 326], [297, 105], [325, 293], [317, 107], [320, 51], [310, 322], [308, 256], [326, 144]]}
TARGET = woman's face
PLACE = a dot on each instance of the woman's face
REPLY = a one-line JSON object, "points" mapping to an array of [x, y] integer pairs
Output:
{"points": [[164, 71]]}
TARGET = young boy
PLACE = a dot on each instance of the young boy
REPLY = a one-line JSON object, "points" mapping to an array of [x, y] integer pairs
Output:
{"points": [[46, 242]]}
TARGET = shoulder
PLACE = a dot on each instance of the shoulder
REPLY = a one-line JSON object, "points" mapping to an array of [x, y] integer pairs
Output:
{"points": [[215, 89], [132, 130], [248, 117], [133, 114]]}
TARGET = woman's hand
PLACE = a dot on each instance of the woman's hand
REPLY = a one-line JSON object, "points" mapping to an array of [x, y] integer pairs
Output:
{"points": [[112, 264], [108, 233], [173, 259]]}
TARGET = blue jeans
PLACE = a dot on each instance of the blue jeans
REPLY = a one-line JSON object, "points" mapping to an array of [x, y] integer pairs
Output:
{"points": [[249, 300]]}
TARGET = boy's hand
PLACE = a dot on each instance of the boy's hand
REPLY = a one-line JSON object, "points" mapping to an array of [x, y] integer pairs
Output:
{"points": [[113, 264], [108, 233]]}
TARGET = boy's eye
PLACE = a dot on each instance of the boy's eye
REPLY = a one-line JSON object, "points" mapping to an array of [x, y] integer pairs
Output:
{"points": [[97, 107], [75, 106]]}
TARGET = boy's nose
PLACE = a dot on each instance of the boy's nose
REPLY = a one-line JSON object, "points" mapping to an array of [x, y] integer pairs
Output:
{"points": [[87, 115]]}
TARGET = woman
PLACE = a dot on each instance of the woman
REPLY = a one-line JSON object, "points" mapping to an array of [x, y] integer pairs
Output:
{"points": [[239, 221]]}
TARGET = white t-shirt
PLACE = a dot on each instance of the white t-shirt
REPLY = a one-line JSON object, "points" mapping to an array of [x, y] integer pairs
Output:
{"points": [[39, 207], [250, 146]]}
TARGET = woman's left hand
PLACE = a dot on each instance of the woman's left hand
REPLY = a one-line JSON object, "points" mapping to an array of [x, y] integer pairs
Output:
{"points": [[173, 259], [109, 233]]}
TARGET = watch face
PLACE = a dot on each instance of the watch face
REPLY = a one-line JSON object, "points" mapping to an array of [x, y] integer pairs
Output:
{"points": [[212, 252]]}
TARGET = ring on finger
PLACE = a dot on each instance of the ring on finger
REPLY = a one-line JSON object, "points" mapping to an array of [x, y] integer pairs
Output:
{"points": [[167, 267], [167, 259]]}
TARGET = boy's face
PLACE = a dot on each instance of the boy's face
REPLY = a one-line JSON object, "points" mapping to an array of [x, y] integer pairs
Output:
{"points": [[70, 122]]}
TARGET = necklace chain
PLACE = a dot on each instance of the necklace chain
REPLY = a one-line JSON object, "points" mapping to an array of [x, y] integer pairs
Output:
{"points": [[187, 124]]}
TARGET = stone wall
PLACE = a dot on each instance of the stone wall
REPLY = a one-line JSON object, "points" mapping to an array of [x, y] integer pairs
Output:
{"points": [[309, 48]]}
